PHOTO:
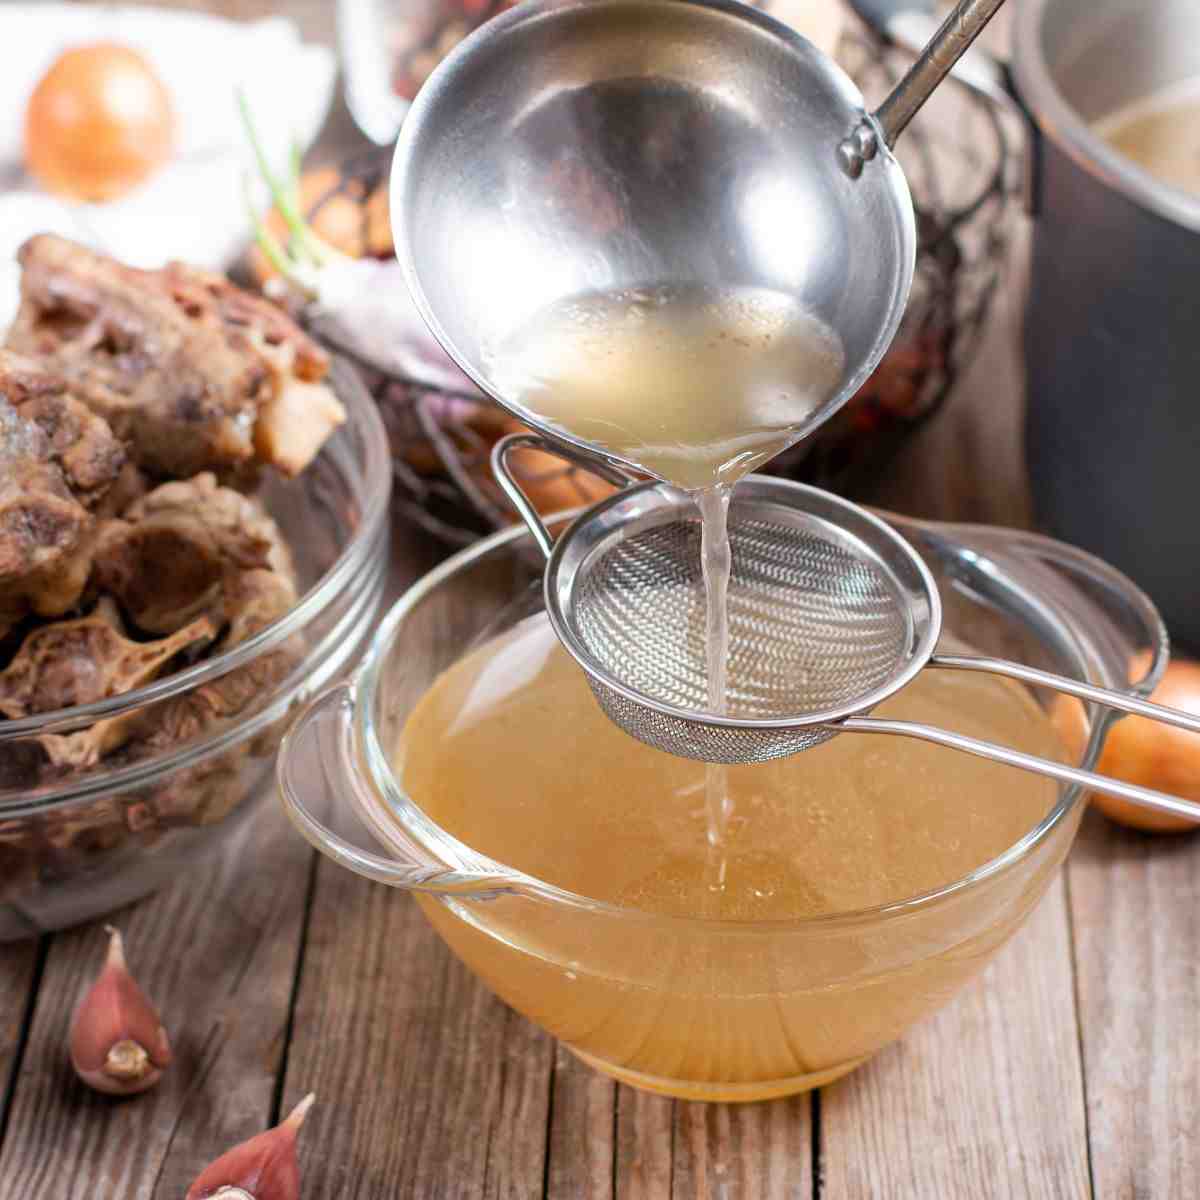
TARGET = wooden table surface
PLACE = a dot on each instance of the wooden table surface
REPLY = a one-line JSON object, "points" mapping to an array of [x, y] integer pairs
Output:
{"points": [[1071, 1068]]}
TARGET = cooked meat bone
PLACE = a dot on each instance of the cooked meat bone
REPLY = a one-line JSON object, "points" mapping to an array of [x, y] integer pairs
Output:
{"points": [[39, 518], [68, 663], [57, 461], [253, 600], [80, 442], [177, 547], [79, 662], [182, 364]]}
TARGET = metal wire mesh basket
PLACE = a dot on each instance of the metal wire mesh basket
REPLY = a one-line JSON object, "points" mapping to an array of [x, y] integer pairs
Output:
{"points": [[963, 174]]}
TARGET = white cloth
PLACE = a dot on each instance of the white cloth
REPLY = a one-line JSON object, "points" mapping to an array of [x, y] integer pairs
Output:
{"points": [[195, 208]]}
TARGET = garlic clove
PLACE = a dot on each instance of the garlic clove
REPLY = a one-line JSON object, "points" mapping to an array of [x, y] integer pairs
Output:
{"points": [[263, 1168], [118, 1043]]}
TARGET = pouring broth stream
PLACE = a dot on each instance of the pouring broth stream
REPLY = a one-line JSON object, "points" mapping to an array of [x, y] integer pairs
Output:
{"points": [[699, 386]]}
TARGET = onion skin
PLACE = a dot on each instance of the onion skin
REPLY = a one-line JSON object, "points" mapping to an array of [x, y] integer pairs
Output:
{"points": [[98, 124], [118, 1044], [1156, 755]]}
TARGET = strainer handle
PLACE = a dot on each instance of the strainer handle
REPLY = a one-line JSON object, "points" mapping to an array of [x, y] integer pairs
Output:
{"points": [[513, 490], [934, 63], [1141, 796], [1071, 687]]}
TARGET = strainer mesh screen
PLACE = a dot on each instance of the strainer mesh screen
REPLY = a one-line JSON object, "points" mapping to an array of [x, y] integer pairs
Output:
{"points": [[814, 623]]}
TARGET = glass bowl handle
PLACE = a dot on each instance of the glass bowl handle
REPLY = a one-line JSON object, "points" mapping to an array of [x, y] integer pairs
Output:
{"points": [[320, 778]]}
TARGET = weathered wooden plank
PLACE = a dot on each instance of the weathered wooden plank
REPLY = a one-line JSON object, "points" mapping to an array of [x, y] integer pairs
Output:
{"points": [[669, 1150], [427, 1085], [744, 1151], [432, 1087], [983, 1100], [18, 977], [645, 1145], [1135, 899], [217, 953], [583, 1118]]}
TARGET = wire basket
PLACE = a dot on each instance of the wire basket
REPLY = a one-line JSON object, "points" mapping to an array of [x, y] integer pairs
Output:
{"points": [[962, 171]]}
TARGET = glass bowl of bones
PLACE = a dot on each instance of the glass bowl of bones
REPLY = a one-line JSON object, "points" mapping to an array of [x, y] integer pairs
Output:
{"points": [[193, 524]]}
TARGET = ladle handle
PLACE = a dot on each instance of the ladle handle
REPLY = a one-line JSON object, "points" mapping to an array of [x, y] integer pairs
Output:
{"points": [[911, 24], [513, 490], [1071, 687], [934, 63], [1142, 796]]}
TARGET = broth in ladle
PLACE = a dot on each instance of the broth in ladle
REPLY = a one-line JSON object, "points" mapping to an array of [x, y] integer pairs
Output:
{"points": [[700, 386]]}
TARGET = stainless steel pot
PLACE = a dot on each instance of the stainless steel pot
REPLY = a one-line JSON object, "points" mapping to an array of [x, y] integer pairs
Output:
{"points": [[1112, 322], [1112, 325]]}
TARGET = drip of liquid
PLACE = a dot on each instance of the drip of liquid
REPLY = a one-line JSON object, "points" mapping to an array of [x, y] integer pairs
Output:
{"points": [[509, 752], [715, 565], [696, 385], [1161, 133]]}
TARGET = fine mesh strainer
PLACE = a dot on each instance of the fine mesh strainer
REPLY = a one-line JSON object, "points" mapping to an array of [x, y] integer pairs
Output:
{"points": [[831, 611]]}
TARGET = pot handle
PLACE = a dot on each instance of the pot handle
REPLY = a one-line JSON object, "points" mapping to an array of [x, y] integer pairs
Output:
{"points": [[318, 773], [513, 490], [911, 25]]}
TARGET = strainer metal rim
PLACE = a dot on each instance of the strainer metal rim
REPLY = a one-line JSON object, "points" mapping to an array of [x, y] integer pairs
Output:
{"points": [[927, 629]]}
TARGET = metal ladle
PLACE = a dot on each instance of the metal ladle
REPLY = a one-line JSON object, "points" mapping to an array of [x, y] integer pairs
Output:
{"points": [[575, 146]]}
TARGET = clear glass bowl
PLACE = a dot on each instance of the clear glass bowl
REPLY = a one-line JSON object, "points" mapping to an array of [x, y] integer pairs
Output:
{"points": [[73, 850], [706, 1009]]}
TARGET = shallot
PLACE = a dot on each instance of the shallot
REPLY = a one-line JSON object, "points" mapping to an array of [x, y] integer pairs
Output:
{"points": [[262, 1168], [118, 1043], [1155, 755]]}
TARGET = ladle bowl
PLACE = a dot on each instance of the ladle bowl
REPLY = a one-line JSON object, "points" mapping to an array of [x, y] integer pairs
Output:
{"points": [[575, 146]]}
